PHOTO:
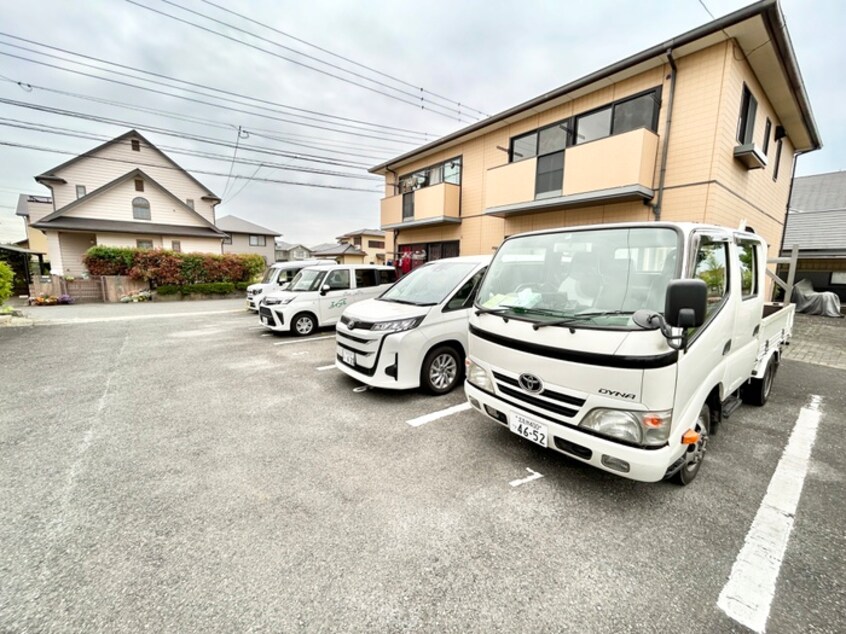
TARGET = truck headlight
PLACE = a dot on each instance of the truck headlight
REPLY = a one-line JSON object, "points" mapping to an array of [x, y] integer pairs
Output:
{"points": [[397, 325], [478, 376], [641, 428]]}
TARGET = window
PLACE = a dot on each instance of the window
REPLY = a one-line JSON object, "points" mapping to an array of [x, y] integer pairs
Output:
{"points": [[139, 185], [777, 159], [768, 126], [523, 147], [80, 191], [552, 139], [838, 278], [140, 209], [638, 112], [550, 174], [408, 206], [710, 267], [357, 241], [387, 276], [189, 202], [446, 172], [466, 294], [338, 280], [144, 244], [227, 240], [748, 256], [366, 277], [746, 120], [593, 126], [136, 145], [452, 171], [258, 241], [176, 245], [375, 244]]}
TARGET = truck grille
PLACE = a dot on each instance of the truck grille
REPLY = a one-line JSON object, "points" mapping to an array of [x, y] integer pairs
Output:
{"points": [[548, 401]]}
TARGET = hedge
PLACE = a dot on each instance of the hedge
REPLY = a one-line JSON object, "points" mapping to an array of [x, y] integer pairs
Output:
{"points": [[6, 278], [162, 267], [217, 288]]}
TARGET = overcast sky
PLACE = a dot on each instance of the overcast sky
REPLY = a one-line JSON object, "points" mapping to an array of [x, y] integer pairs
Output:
{"points": [[486, 54]]}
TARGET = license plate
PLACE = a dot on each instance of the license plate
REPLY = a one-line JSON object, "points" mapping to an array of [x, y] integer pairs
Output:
{"points": [[264, 320], [528, 429], [347, 356]]}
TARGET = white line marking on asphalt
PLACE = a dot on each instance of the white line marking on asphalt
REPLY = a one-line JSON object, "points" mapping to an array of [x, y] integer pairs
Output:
{"points": [[266, 334], [323, 368], [533, 475], [428, 418], [288, 343], [749, 592], [361, 388], [298, 354]]}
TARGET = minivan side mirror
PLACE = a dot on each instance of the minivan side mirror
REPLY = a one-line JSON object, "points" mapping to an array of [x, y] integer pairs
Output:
{"points": [[686, 303], [325, 289]]}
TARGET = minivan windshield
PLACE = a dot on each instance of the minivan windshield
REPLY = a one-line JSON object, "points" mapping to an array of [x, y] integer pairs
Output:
{"points": [[270, 276], [428, 285], [595, 278], [307, 280]]}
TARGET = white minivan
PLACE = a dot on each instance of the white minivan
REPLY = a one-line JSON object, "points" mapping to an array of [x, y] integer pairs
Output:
{"points": [[277, 277], [415, 333], [318, 295]]}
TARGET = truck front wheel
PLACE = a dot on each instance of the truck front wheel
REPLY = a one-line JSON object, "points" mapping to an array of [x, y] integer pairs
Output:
{"points": [[696, 451], [757, 391]]}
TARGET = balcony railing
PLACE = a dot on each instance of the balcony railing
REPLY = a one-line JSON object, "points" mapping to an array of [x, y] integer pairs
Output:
{"points": [[436, 204], [615, 168]]}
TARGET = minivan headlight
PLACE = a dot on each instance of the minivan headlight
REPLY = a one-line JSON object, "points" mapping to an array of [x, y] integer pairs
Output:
{"points": [[641, 428], [478, 376], [398, 325], [273, 301]]}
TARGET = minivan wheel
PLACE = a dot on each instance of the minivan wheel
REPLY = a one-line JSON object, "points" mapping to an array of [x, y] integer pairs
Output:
{"points": [[304, 324], [442, 370], [696, 452]]}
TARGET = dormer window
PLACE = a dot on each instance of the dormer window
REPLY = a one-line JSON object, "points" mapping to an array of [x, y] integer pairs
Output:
{"points": [[140, 209], [136, 145], [139, 185]]}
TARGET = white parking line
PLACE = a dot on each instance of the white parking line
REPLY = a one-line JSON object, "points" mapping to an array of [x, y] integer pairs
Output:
{"points": [[428, 418], [289, 343], [323, 368], [533, 475], [747, 596]]}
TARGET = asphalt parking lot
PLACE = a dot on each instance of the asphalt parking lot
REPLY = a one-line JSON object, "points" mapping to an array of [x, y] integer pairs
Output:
{"points": [[192, 473]]}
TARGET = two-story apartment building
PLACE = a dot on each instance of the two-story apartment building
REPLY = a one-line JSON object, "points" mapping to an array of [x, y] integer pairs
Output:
{"points": [[125, 192], [371, 241], [32, 209], [704, 127], [244, 236]]}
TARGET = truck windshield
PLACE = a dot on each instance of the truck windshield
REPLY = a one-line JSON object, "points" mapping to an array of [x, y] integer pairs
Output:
{"points": [[307, 280], [269, 276], [597, 277], [428, 285]]}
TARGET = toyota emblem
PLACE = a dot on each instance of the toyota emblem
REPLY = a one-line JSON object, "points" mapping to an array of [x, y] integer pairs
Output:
{"points": [[530, 383], [351, 324]]}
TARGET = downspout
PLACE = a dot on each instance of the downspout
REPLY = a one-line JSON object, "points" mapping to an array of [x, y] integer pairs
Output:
{"points": [[396, 231], [796, 155], [662, 175]]}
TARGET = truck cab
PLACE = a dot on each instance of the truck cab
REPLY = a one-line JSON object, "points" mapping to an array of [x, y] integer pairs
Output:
{"points": [[623, 345]]}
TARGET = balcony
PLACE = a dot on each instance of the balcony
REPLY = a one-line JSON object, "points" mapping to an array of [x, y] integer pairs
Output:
{"points": [[613, 169], [437, 204]]}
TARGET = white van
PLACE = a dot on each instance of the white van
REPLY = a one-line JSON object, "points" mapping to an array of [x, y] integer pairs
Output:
{"points": [[415, 333], [318, 295], [277, 278]]}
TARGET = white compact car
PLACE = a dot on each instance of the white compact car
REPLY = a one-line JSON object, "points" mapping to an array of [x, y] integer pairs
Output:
{"points": [[318, 295], [277, 278], [415, 334]]}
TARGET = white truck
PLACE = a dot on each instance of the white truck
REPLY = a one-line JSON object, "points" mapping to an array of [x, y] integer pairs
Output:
{"points": [[624, 345]]}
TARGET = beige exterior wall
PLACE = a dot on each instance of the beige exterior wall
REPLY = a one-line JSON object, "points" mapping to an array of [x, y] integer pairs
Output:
{"points": [[704, 182], [73, 246], [372, 255], [36, 238], [94, 172], [187, 244], [241, 244]]}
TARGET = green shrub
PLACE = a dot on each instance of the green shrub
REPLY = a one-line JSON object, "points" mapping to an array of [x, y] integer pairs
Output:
{"points": [[242, 286], [208, 288], [6, 278], [101, 260], [168, 289], [254, 265]]}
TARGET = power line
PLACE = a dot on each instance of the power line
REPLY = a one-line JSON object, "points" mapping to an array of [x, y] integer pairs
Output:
{"points": [[346, 59], [232, 164], [421, 105], [66, 132], [424, 135], [352, 130], [192, 137], [205, 172]]}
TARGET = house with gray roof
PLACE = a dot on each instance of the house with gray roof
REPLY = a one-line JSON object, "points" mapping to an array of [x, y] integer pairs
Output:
{"points": [[124, 193], [290, 252], [244, 236], [816, 223]]}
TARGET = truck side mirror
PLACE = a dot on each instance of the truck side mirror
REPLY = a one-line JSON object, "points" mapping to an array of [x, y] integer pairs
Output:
{"points": [[325, 289], [686, 303]]}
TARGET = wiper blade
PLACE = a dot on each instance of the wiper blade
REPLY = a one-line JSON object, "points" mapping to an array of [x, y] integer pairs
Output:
{"points": [[403, 301], [495, 311], [579, 317], [604, 313]]}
